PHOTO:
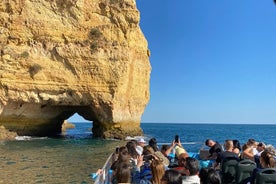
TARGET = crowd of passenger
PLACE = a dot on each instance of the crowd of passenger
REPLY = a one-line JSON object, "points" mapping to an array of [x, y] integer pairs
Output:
{"points": [[139, 162]]}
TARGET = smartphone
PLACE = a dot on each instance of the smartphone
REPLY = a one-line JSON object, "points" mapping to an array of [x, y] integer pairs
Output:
{"points": [[176, 138], [117, 150]]}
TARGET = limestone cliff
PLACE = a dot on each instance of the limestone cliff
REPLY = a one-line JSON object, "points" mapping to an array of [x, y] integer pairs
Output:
{"points": [[59, 57]]}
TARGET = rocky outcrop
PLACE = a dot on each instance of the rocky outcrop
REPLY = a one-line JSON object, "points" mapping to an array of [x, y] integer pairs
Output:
{"points": [[6, 134], [67, 125], [75, 56]]}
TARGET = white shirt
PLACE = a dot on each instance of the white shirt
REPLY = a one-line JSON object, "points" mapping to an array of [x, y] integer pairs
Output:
{"points": [[139, 149], [191, 179]]}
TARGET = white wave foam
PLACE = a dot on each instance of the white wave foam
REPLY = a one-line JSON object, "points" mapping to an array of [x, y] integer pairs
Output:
{"points": [[27, 138], [135, 138], [23, 138]]}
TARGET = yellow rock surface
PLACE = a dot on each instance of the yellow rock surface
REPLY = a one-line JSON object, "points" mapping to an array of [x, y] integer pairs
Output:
{"points": [[61, 57]]}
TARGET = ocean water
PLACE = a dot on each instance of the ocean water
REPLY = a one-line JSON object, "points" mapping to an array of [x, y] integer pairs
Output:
{"points": [[72, 157], [193, 136], [68, 159]]}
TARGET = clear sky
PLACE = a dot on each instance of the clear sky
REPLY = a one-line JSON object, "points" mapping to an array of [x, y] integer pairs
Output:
{"points": [[213, 61]]}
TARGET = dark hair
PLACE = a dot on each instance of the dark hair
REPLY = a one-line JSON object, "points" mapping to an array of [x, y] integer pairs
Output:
{"points": [[236, 144], [153, 144], [203, 175], [131, 147], [251, 141], [213, 177], [123, 174], [207, 142], [261, 144], [172, 177], [209, 176], [123, 156], [192, 165], [134, 141], [165, 147]]}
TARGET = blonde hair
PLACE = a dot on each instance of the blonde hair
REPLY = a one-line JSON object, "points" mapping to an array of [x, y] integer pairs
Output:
{"points": [[158, 170], [267, 160], [228, 144]]}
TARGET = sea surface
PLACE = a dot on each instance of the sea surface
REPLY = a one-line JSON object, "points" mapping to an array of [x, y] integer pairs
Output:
{"points": [[73, 156]]}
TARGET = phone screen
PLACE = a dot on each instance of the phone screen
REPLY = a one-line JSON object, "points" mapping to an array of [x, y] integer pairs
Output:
{"points": [[176, 139]]}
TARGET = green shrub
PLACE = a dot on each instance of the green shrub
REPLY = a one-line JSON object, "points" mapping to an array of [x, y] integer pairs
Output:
{"points": [[93, 47], [24, 54], [34, 69], [95, 33]]}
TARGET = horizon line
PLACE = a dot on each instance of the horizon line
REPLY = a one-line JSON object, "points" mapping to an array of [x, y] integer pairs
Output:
{"points": [[220, 123], [228, 123]]}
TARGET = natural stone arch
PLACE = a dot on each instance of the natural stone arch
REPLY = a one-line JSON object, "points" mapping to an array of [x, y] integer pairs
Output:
{"points": [[82, 56]]}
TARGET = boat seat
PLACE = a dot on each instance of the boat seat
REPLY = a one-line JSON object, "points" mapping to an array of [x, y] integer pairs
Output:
{"points": [[244, 170], [228, 169], [266, 176], [204, 154]]}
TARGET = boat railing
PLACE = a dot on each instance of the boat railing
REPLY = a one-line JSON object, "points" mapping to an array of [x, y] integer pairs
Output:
{"points": [[104, 176]]}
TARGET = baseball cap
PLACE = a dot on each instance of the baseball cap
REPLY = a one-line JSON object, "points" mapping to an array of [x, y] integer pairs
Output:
{"points": [[141, 140]]}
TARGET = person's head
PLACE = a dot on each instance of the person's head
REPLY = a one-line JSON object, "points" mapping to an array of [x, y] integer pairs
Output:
{"points": [[123, 149], [209, 176], [270, 149], [164, 148], [213, 177], [123, 155], [148, 150], [236, 144], [210, 142], [134, 141], [191, 166], [245, 146], [171, 177], [182, 159], [228, 145], [131, 147], [123, 173], [153, 144], [267, 160], [158, 170], [251, 142], [141, 142], [203, 175], [260, 146]]}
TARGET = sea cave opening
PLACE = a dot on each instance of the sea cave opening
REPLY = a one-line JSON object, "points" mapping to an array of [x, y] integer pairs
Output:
{"points": [[77, 126]]}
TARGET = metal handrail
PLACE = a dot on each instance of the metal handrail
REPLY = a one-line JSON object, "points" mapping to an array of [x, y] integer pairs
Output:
{"points": [[105, 176]]}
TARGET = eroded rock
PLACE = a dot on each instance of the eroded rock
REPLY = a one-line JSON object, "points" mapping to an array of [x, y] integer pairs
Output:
{"points": [[67, 125], [6, 134], [76, 56]]}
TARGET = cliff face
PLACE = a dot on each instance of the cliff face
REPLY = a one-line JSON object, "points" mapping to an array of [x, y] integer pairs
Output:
{"points": [[59, 57]]}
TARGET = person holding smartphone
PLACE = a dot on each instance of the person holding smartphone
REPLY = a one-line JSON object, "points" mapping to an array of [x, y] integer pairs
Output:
{"points": [[179, 149]]}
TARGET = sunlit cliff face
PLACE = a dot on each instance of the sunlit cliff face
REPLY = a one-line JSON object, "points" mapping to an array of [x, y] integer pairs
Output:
{"points": [[76, 56]]}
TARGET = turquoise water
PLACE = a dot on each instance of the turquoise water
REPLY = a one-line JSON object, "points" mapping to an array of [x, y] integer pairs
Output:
{"points": [[65, 159], [71, 158]]}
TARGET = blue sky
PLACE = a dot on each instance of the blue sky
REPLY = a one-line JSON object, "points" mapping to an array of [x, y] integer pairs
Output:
{"points": [[212, 61]]}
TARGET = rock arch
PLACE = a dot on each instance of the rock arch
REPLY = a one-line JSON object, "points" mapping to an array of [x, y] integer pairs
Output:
{"points": [[86, 57]]}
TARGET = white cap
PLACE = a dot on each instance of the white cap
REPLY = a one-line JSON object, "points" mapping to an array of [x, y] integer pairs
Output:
{"points": [[141, 140]]}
